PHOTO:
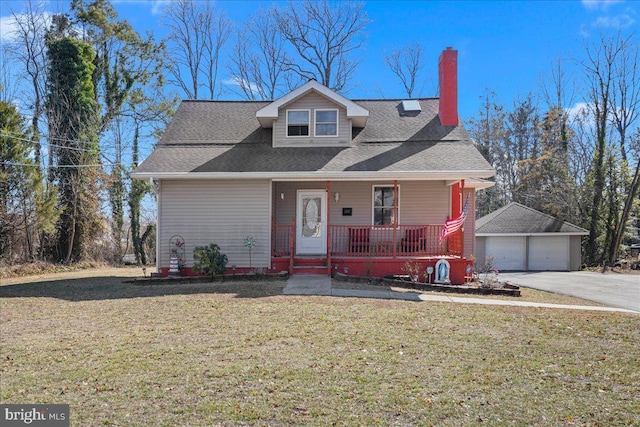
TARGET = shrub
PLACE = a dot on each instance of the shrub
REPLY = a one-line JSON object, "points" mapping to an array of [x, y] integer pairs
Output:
{"points": [[209, 260], [412, 268]]}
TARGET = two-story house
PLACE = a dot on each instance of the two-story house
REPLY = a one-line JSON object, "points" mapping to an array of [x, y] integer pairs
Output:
{"points": [[322, 183]]}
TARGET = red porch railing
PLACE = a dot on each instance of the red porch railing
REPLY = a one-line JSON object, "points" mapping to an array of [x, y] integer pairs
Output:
{"points": [[407, 240], [281, 240], [375, 241]]}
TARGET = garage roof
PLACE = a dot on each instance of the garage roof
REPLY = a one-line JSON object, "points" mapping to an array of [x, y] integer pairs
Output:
{"points": [[517, 219]]}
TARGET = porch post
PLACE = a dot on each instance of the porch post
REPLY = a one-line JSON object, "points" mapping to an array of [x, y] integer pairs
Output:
{"points": [[395, 217], [456, 209], [329, 227], [273, 238], [292, 244]]}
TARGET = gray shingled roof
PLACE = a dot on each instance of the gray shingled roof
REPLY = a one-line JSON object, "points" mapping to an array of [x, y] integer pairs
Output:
{"points": [[225, 136], [216, 122], [519, 219]]}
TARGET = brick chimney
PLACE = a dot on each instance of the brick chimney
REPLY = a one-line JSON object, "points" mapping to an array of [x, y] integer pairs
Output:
{"points": [[448, 77]]}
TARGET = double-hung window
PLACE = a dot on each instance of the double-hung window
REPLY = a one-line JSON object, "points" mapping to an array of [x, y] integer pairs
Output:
{"points": [[383, 205], [297, 122], [326, 123]]}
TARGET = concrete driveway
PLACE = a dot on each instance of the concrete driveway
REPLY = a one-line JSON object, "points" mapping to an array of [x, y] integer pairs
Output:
{"points": [[612, 289]]}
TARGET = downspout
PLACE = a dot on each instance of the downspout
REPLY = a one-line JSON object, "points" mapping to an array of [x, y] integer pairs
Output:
{"points": [[329, 228], [158, 224]]}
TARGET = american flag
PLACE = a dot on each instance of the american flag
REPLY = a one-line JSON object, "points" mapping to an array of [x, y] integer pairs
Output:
{"points": [[453, 225]]}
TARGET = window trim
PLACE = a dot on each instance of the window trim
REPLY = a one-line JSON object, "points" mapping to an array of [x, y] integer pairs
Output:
{"points": [[315, 122], [286, 114], [373, 207]]}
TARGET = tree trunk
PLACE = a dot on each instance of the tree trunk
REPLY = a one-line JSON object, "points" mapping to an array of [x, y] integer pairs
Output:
{"points": [[626, 211], [25, 218], [72, 233], [598, 185], [611, 223]]}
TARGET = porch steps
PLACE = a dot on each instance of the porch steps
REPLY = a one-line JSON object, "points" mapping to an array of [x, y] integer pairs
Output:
{"points": [[310, 265]]}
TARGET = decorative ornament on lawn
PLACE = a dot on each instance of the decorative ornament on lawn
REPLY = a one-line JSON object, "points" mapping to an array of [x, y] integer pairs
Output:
{"points": [[176, 254], [442, 272]]}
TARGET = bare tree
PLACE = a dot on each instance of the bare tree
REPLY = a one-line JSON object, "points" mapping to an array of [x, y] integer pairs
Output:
{"points": [[218, 28], [488, 130], [30, 50], [258, 57], [625, 96], [625, 107], [197, 34], [557, 87], [599, 76], [406, 63], [326, 38], [8, 86], [521, 142]]}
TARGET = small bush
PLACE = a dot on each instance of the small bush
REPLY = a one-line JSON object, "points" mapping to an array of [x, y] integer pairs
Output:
{"points": [[209, 260], [412, 268]]}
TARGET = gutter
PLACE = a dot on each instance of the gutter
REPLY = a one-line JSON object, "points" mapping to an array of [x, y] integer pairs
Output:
{"points": [[321, 176]]}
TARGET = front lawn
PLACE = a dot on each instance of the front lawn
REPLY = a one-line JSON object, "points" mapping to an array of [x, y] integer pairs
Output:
{"points": [[242, 354]]}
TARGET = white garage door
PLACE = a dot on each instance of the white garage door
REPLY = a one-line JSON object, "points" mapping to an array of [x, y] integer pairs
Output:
{"points": [[508, 252], [549, 253]]}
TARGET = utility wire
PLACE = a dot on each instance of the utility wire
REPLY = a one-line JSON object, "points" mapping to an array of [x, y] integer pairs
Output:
{"points": [[43, 135], [7, 135], [53, 166], [108, 161]]}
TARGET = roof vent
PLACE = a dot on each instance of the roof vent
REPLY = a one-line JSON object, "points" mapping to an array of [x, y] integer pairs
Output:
{"points": [[410, 107]]}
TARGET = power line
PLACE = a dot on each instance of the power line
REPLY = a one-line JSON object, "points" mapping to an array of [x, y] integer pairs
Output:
{"points": [[19, 138], [104, 156], [52, 166]]}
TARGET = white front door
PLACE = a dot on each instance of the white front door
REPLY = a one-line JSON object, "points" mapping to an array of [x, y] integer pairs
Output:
{"points": [[311, 222]]}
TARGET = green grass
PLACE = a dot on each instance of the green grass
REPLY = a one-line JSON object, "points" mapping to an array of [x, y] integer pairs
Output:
{"points": [[242, 354]]}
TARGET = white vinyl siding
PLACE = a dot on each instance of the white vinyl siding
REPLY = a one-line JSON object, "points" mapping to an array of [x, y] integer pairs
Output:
{"points": [[222, 212], [312, 102], [421, 202], [470, 224], [575, 255]]}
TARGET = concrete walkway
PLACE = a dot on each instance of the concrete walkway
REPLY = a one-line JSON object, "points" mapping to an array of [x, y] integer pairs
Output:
{"points": [[322, 285]]}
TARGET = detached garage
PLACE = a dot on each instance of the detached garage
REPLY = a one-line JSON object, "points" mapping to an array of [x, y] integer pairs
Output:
{"points": [[523, 239]]}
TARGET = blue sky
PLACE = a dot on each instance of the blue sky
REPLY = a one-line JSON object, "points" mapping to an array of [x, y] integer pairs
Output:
{"points": [[506, 46]]}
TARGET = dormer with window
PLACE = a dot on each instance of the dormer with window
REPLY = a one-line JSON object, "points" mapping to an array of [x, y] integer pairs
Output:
{"points": [[312, 116]]}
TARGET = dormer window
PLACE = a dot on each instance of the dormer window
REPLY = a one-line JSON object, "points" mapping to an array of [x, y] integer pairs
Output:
{"points": [[326, 123], [297, 122]]}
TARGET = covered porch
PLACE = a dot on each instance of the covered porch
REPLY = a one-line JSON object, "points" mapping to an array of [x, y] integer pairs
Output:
{"points": [[366, 250], [365, 228]]}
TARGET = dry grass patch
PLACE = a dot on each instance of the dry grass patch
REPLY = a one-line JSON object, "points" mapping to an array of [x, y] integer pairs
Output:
{"points": [[242, 354], [527, 294]]}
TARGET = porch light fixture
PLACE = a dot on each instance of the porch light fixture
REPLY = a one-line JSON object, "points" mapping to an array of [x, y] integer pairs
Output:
{"points": [[336, 196], [282, 195]]}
